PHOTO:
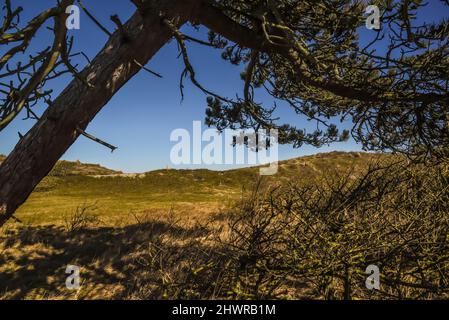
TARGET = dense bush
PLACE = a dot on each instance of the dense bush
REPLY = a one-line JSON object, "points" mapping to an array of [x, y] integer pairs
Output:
{"points": [[317, 240], [310, 239]]}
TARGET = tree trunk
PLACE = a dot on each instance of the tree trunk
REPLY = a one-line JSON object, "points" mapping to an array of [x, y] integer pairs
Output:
{"points": [[36, 153]]}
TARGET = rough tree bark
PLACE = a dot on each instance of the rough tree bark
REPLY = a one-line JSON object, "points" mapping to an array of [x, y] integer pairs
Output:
{"points": [[37, 152]]}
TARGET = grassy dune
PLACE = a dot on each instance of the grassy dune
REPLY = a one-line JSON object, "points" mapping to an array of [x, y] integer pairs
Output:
{"points": [[117, 196], [148, 236]]}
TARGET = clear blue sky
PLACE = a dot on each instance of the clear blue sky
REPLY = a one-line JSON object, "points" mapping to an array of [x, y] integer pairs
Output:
{"points": [[141, 116]]}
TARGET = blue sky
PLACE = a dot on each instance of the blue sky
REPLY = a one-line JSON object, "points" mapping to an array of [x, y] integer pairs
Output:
{"points": [[141, 116]]}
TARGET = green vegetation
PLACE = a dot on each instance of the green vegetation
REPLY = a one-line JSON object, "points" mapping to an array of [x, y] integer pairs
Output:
{"points": [[71, 184], [287, 237], [68, 168]]}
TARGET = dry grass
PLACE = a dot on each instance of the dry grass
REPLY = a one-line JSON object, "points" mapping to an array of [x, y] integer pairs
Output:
{"points": [[114, 260], [250, 249], [152, 255]]}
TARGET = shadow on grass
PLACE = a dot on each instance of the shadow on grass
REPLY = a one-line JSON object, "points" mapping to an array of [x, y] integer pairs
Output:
{"points": [[143, 261]]}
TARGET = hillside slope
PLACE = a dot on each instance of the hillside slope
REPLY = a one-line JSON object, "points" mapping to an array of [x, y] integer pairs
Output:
{"points": [[71, 168], [73, 184]]}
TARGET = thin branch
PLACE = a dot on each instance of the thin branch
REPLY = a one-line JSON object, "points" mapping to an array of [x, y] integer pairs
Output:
{"points": [[91, 137], [94, 19], [146, 69]]}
